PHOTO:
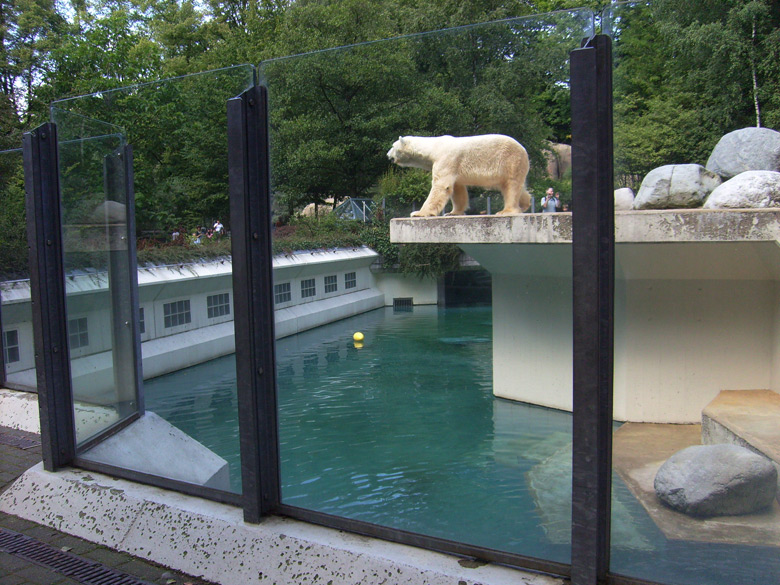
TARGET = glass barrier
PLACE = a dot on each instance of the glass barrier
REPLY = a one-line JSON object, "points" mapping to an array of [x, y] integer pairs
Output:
{"points": [[446, 419], [16, 312], [696, 397], [178, 134]]}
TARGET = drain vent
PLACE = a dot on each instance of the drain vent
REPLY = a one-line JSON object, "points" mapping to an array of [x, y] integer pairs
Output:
{"points": [[402, 304], [70, 565]]}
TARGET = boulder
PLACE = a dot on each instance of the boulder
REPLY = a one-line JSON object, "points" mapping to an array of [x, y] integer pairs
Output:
{"points": [[675, 187], [624, 199], [716, 480], [558, 160], [749, 189], [748, 149]]}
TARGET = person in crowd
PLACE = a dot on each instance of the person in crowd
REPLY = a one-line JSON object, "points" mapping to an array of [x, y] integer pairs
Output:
{"points": [[551, 201], [218, 228]]}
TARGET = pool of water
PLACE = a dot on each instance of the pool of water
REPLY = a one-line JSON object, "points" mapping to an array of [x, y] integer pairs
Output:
{"points": [[404, 431]]}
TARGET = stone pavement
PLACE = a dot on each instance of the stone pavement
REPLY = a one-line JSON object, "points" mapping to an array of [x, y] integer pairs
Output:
{"points": [[18, 452]]}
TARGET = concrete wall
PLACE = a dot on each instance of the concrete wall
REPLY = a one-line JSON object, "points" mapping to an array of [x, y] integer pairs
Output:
{"points": [[678, 342], [697, 304], [395, 285]]}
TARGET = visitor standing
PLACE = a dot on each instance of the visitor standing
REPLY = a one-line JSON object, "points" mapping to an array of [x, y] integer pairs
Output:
{"points": [[550, 202]]}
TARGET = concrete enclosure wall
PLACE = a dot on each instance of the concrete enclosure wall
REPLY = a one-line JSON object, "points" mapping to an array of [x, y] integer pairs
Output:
{"points": [[697, 294]]}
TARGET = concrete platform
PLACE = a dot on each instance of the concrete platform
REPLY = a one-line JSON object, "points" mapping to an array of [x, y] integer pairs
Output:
{"points": [[639, 450], [211, 540], [749, 418], [697, 304]]}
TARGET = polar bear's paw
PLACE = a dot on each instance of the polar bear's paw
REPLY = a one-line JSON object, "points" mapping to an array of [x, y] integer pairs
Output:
{"points": [[423, 213], [456, 213], [515, 211]]}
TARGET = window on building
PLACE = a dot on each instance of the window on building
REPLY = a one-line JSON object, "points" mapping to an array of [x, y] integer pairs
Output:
{"points": [[176, 313], [78, 336], [308, 288], [218, 305], [350, 280], [11, 346], [331, 284], [282, 293], [142, 323]]}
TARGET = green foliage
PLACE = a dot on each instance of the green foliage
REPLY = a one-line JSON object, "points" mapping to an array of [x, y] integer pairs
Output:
{"points": [[13, 234], [308, 233], [686, 74], [181, 251], [429, 260], [403, 188], [376, 236]]}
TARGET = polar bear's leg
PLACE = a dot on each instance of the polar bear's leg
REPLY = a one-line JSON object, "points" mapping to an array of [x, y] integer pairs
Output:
{"points": [[516, 198], [460, 200], [441, 192]]}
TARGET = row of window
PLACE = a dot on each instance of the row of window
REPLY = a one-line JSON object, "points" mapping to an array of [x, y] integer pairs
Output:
{"points": [[11, 346], [283, 290], [178, 313], [174, 314]]}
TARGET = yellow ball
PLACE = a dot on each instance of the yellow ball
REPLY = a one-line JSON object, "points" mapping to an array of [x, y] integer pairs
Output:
{"points": [[358, 336]]}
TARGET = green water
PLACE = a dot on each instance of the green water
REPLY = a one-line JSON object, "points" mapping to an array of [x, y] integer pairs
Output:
{"points": [[405, 432]]}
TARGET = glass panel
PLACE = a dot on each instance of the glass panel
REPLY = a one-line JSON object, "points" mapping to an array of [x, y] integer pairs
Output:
{"points": [[416, 417], [16, 312], [696, 324], [97, 263], [178, 132]]}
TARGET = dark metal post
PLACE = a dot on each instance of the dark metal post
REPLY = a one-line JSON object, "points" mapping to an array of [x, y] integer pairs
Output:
{"points": [[2, 345], [47, 280], [123, 281], [250, 219], [593, 245]]}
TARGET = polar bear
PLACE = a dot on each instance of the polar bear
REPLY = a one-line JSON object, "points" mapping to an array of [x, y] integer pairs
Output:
{"points": [[493, 161]]}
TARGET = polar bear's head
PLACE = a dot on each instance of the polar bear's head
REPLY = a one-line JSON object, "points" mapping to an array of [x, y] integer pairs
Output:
{"points": [[403, 153]]}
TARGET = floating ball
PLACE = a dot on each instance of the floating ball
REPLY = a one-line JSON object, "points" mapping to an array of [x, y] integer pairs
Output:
{"points": [[358, 336]]}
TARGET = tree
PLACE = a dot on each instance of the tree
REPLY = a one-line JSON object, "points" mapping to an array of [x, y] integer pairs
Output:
{"points": [[687, 73]]}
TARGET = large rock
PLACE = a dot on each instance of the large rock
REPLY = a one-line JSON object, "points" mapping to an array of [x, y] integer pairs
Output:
{"points": [[716, 480], [558, 160], [624, 199], [749, 149], [749, 189], [675, 187]]}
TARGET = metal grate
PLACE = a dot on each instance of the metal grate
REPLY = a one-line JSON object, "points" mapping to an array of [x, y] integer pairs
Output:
{"points": [[14, 440], [403, 304], [70, 565]]}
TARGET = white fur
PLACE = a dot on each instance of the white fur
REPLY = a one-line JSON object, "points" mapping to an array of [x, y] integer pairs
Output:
{"points": [[493, 161]]}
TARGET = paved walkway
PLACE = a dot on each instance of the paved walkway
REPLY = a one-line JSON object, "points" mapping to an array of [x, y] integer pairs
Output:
{"points": [[18, 452]]}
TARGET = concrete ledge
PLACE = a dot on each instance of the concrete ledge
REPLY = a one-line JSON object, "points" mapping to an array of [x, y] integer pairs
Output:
{"points": [[639, 450], [649, 226], [211, 540], [749, 418], [305, 316], [19, 410], [153, 445]]}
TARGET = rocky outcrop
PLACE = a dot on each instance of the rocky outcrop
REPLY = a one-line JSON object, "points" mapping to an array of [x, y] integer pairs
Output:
{"points": [[676, 186], [747, 190], [624, 199], [558, 160], [716, 480], [748, 149]]}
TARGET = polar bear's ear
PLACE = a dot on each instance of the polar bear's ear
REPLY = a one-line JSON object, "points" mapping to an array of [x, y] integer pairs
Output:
{"points": [[401, 140]]}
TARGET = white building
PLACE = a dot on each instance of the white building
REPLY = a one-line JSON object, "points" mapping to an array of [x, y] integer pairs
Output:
{"points": [[186, 311]]}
